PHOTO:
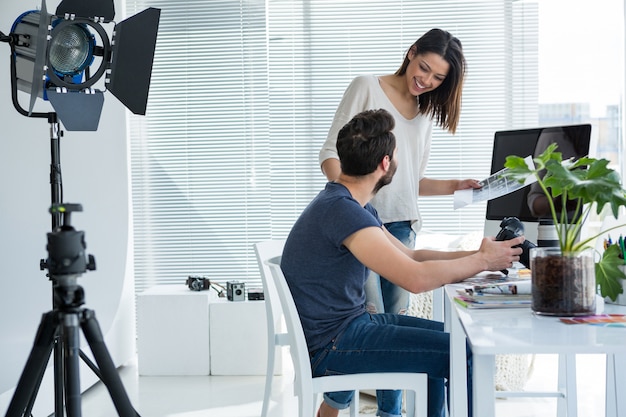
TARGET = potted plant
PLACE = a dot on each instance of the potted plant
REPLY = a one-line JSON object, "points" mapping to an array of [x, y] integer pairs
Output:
{"points": [[587, 183]]}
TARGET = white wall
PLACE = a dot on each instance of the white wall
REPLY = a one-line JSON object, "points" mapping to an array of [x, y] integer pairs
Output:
{"points": [[95, 174]]}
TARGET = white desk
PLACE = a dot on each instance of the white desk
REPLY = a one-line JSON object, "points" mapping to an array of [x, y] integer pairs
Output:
{"points": [[519, 331]]}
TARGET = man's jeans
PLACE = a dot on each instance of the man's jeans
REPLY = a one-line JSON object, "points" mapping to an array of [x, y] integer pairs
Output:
{"points": [[384, 296], [389, 343]]}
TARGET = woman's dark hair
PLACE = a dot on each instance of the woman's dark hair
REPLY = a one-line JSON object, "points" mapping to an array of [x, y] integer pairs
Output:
{"points": [[443, 103], [363, 142]]}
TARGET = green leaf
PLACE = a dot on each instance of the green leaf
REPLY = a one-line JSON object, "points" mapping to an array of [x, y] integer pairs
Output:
{"points": [[608, 274], [518, 170]]}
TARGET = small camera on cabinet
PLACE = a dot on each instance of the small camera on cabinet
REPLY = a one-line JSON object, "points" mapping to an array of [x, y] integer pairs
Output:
{"points": [[198, 283], [235, 291]]}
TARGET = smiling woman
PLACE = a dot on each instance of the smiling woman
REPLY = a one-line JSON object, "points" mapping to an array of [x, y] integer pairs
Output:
{"points": [[424, 91]]}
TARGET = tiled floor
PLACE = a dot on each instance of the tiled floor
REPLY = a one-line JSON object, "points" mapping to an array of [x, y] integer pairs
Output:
{"points": [[229, 396]]}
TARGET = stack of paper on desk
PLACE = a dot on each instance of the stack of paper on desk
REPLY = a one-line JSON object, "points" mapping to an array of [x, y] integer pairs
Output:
{"points": [[499, 293]]}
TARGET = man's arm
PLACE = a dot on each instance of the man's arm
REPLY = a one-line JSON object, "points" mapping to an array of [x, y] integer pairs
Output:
{"points": [[426, 254], [419, 270]]}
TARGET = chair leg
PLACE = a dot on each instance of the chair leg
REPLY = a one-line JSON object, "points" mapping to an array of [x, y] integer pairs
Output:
{"points": [[307, 405], [354, 405], [269, 375], [409, 395]]}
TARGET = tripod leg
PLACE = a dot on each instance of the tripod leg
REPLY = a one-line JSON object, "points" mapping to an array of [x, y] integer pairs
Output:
{"points": [[110, 377], [35, 390], [90, 364], [59, 383], [71, 341], [35, 366]]}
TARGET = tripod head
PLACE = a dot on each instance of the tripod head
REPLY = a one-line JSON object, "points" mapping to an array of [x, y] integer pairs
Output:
{"points": [[67, 259]]}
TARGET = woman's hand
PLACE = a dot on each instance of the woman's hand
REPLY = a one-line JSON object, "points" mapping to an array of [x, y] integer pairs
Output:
{"points": [[467, 184]]}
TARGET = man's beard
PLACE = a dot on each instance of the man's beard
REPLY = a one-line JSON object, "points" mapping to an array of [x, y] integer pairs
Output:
{"points": [[386, 179]]}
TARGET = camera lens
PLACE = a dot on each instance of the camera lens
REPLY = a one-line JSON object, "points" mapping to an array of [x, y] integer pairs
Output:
{"points": [[547, 235], [238, 292]]}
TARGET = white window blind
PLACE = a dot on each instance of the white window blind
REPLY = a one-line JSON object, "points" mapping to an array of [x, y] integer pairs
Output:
{"points": [[200, 158], [242, 96]]}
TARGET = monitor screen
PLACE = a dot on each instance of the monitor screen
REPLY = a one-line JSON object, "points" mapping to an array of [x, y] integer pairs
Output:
{"points": [[572, 141]]}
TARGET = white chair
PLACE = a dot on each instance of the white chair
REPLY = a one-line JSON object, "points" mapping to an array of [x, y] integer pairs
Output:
{"points": [[308, 389], [266, 250]]}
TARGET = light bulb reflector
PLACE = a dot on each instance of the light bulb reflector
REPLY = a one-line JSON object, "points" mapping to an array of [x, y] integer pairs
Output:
{"points": [[71, 49]]}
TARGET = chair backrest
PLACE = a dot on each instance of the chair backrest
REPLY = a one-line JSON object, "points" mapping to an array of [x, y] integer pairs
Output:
{"points": [[266, 250], [297, 343]]}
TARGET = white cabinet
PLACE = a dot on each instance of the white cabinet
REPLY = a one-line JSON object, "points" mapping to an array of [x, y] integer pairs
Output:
{"points": [[238, 333], [173, 331], [184, 332]]}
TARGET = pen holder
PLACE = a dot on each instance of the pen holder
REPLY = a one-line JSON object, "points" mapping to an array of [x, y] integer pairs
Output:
{"points": [[621, 299]]}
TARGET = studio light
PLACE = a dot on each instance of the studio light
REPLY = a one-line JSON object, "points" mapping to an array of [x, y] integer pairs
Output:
{"points": [[62, 58], [69, 59]]}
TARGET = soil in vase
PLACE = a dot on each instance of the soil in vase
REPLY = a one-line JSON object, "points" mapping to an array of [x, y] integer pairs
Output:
{"points": [[563, 285]]}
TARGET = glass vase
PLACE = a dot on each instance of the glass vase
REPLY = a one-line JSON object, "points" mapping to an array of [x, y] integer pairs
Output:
{"points": [[563, 283]]}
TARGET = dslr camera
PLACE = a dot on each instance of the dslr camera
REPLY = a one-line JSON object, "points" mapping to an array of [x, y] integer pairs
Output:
{"points": [[512, 227], [198, 283], [235, 291]]}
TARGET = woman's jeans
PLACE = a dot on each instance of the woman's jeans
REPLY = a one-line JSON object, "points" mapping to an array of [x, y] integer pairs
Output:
{"points": [[389, 343], [383, 296]]}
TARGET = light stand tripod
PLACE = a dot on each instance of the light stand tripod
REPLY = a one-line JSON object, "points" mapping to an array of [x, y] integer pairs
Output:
{"points": [[66, 262], [58, 329]]}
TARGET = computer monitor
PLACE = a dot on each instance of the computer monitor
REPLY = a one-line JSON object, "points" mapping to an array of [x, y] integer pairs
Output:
{"points": [[572, 141]]}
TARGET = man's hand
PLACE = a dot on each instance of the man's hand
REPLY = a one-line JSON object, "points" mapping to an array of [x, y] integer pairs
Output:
{"points": [[500, 255]]}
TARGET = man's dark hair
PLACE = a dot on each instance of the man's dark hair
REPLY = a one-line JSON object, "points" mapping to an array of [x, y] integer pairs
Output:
{"points": [[364, 141]]}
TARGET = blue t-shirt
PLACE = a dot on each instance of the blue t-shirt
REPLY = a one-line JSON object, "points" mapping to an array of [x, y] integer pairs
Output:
{"points": [[326, 280]]}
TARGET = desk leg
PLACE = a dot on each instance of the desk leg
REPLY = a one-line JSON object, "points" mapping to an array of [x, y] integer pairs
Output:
{"points": [[438, 308], [615, 382], [620, 383], [567, 405], [483, 386], [458, 362]]}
